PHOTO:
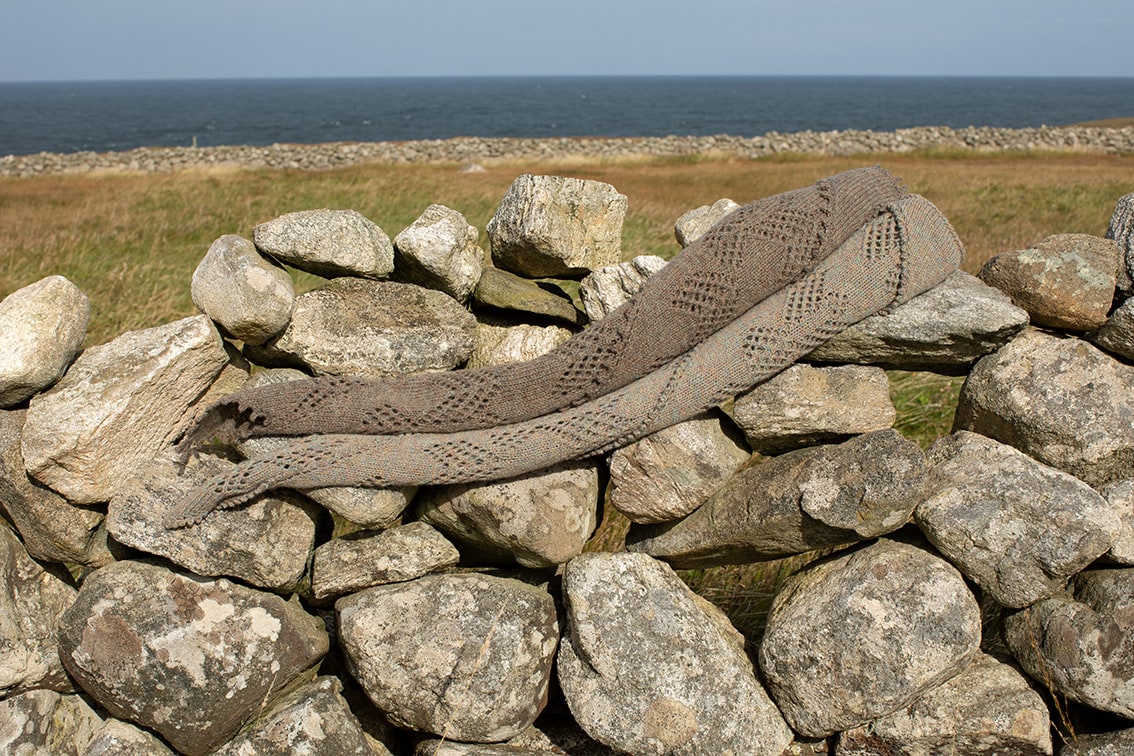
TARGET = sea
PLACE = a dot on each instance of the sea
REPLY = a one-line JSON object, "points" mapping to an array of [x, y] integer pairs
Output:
{"points": [[120, 115]]}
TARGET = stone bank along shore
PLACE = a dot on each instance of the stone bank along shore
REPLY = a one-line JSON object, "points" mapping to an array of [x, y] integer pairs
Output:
{"points": [[478, 150]]}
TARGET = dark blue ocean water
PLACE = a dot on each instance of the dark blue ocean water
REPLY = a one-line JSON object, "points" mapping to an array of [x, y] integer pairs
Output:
{"points": [[100, 116]]}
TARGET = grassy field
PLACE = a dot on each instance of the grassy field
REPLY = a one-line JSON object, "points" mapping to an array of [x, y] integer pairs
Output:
{"points": [[131, 241]]}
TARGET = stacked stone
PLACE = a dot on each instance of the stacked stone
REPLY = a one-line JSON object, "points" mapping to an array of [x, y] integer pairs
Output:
{"points": [[455, 607]]}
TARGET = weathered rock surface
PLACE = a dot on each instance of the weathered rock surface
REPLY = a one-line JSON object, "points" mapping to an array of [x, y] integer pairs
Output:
{"points": [[439, 250], [668, 474], [118, 406], [536, 520], [497, 345], [646, 669], [501, 290], [611, 286], [1066, 281], [45, 722], [1082, 646], [364, 559], [266, 543], [1118, 743], [692, 225], [328, 243], [189, 658], [118, 738], [858, 637], [806, 405], [1057, 399], [552, 225], [944, 330], [351, 326], [243, 293], [312, 720], [42, 327], [1120, 495], [1015, 527], [1121, 230], [51, 527], [31, 600], [1117, 334], [989, 708], [806, 499], [465, 656]]}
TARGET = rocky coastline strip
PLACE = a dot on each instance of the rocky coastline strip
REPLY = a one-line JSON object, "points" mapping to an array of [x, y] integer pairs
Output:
{"points": [[474, 151]]}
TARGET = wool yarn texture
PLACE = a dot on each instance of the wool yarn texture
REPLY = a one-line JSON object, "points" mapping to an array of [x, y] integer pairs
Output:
{"points": [[906, 249]]}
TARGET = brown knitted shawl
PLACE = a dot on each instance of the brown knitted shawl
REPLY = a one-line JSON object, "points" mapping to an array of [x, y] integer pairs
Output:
{"points": [[906, 249]]}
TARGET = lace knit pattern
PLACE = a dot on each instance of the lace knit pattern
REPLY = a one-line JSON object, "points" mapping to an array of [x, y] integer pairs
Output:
{"points": [[904, 251], [748, 255]]}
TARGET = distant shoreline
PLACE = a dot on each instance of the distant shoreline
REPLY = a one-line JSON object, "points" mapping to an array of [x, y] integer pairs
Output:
{"points": [[1111, 136]]}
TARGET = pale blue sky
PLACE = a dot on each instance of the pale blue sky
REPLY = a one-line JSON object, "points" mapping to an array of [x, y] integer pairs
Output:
{"points": [[158, 39]]}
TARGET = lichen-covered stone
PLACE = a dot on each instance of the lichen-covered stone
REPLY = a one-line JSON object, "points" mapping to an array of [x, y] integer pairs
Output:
{"points": [[944, 330], [1117, 334], [610, 287], [439, 250], [31, 600], [1066, 281], [118, 738], [1057, 399], [1120, 495], [552, 225], [1116, 743], [118, 406], [1121, 230], [246, 295], [507, 292], [363, 559], [498, 345], [1082, 646], [862, 635], [42, 327], [807, 499], [466, 656], [806, 405], [351, 326], [328, 243], [670, 473], [646, 669], [190, 658], [1014, 526], [987, 709], [692, 225], [45, 723]]}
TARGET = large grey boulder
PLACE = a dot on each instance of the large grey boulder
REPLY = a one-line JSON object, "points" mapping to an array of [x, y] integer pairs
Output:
{"points": [[1057, 399], [537, 520], [42, 327], [1120, 495], [45, 723], [989, 708], [1082, 645], [806, 405], [647, 667], [552, 225], [670, 473], [51, 527], [506, 292], [328, 243], [244, 294], [610, 287], [943, 330], [190, 658], [118, 406], [265, 543], [1117, 334], [31, 600], [1066, 281], [806, 499], [439, 250], [1014, 526], [465, 656], [497, 345], [364, 559], [862, 635], [314, 719], [692, 225], [1121, 230], [352, 326]]}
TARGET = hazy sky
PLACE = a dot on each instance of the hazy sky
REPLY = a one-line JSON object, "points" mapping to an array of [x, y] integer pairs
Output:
{"points": [[138, 39]]}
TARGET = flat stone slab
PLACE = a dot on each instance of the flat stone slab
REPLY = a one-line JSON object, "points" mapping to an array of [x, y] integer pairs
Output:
{"points": [[500, 290], [329, 243], [364, 559]]}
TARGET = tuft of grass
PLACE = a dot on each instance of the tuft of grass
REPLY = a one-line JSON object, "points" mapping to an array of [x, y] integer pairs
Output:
{"points": [[925, 403]]}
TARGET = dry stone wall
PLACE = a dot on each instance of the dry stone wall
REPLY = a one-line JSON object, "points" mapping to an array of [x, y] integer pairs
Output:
{"points": [[973, 598]]}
